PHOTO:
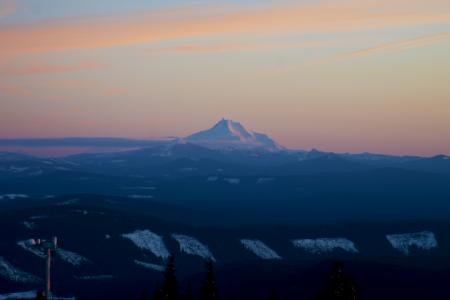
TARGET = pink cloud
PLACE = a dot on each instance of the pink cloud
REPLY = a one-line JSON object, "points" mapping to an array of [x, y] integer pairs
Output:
{"points": [[114, 91], [44, 68]]}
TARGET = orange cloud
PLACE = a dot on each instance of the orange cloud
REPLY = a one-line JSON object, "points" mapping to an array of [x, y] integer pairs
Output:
{"points": [[114, 91], [404, 44], [41, 68], [142, 28]]}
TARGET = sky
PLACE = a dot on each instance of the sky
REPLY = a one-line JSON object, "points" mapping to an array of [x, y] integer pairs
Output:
{"points": [[337, 75]]}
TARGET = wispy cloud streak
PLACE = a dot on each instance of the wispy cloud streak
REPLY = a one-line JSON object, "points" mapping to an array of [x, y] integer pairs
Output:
{"points": [[7, 7], [14, 90], [238, 47], [156, 26]]}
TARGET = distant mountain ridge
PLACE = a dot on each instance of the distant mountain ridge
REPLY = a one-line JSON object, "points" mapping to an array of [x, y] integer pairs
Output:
{"points": [[226, 140], [228, 134]]}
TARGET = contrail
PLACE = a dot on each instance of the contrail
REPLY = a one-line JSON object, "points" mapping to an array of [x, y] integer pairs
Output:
{"points": [[403, 44]]}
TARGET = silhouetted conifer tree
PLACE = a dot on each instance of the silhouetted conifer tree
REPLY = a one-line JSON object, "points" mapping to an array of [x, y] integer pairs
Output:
{"points": [[209, 289], [273, 295], [157, 294], [340, 286], [143, 295], [170, 284], [189, 294], [40, 296]]}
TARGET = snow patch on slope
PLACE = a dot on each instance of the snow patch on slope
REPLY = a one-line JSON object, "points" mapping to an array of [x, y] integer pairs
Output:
{"points": [[19, 295], [260, 249], [150, 266], [13, 196], [94, 277], [66, 255], [71, 257], [29, 225], [28, 245], [263, 180], [193, 246], [187, 170], [145, 239], [140, 196], [232, 180], [38, 217], [212, 179], [424, 240], [15, 169], [151, 188], [68, 202], [12, 273], [325, 245]]}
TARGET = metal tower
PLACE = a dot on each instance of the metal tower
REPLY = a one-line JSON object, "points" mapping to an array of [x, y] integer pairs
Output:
{"points": [[48, 247]]}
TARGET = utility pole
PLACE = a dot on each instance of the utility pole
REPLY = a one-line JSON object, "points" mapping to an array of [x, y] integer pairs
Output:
{"points": [[48, 247]]}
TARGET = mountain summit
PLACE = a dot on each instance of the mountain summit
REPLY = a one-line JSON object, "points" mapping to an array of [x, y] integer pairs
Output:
{"points": [[228, 134]]}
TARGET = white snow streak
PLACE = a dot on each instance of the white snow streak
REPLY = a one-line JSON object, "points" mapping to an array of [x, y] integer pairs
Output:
{"points": [[11, 273], [29, 225], [71, 257], [260, 249], [150, 266], [28, 245], [38, 217], [18, 169], [325, 245], [62, 169], [36, 173], [233, 180], [212, 179], [94, 277], [424, 240], [138, 188], [13, 196], [192, 246], [19, 295], [68, 202], [263, 180], [140, 196]]}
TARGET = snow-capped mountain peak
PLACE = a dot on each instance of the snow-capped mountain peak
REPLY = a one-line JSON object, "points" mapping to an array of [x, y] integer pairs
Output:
{"points": [[228, 134]]}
